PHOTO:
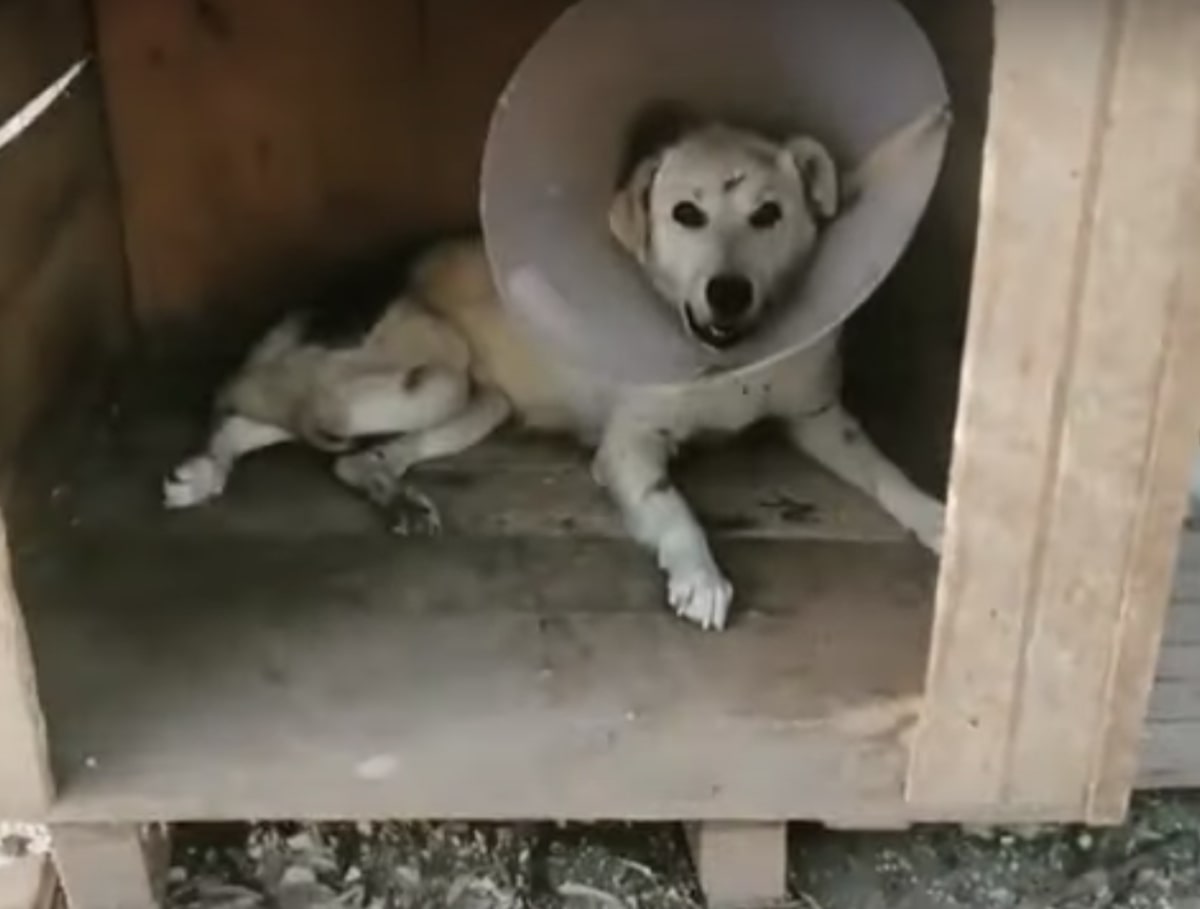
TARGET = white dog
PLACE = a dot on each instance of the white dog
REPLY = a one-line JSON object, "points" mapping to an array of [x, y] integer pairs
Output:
{"points": [[721, 220]]}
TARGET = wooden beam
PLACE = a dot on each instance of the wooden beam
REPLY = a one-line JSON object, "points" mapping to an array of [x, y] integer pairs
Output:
{"points": [[1159, 185], [61, 296], [62, 285], [1073, 435], [25, 786], [740, 865], [105, 866], [28, 882]]}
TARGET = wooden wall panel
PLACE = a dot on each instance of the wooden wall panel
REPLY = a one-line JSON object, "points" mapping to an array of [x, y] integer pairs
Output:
{"points": [[257, 141], [1075, 432], [25, 784], [61, 262], [62, 306]]}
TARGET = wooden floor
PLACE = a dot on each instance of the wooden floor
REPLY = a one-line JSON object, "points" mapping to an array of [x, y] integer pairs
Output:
{"points": [[280, 655]]}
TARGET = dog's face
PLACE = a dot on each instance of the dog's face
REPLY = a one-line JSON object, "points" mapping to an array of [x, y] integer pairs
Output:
{"points": [[721, 221]]}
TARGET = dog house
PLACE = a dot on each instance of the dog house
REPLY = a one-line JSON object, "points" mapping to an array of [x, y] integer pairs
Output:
{"points": [[1036, 353]]}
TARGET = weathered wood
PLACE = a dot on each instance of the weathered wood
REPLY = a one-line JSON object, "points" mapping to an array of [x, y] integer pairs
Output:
{"points": [[494, 678], [61, 292], [761, 488], [740, 866], [25, 785], [220, 663], [258, 142], [1187, 569], [61, 263], [104, 866], [1148, 231], [1074, 434], [1048, 64], [28, 882], [1171, 740]]}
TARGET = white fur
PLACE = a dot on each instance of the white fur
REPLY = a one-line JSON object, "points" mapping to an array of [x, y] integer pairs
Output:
{"points": [[450, 326]]}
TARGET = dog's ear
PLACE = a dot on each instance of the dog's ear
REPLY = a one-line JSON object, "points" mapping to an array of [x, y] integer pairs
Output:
{"points": [[819, 173], [629, 214]]}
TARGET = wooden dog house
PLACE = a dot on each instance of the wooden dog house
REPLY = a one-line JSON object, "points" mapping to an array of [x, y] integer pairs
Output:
{"points": [[279, 656]]}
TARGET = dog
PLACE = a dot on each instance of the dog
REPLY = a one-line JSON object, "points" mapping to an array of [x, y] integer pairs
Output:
{"points": [[721, 220]]}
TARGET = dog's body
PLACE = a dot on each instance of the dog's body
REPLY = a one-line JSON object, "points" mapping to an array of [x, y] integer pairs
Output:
{"points": [[720, 222]]}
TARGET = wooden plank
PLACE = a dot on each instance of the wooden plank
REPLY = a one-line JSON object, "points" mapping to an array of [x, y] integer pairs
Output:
{"points": [[1169, 754], [1170, 745], [25, 785], [364, 677], [1168, 757], [1187, 569], [61, 290], [1183, 622], [513, 626], [1111, 460], [61, 265], [1129, 431], [104, 866], [257, 143], [740, 866], [511, 486], [1047, 95], [28, 882]]}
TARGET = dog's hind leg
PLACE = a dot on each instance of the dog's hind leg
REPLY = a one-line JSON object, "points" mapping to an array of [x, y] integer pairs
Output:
{"points": [[632, 465], [203, 477], [835, 440], [379, 472], [385, 402]]}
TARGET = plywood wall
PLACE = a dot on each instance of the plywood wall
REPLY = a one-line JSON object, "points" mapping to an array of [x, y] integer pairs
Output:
{"points": [[62, 307], [61, 262], [257, 141]]}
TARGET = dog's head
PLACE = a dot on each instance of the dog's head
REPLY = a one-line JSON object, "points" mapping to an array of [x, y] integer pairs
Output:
{"points": [[722, 220]]}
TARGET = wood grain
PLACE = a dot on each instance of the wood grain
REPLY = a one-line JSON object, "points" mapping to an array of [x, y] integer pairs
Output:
{"points": [[61, 264], [25, 784], [1103, 428], [1047, 96], [61, 308], [258, 143], [104, 866], [280, 655]]}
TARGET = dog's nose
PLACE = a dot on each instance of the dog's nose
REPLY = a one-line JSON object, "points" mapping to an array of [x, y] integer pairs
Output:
{"points": [[729, 297]]}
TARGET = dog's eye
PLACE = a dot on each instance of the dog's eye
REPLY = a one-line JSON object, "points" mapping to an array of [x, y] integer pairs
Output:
{"points": [[689, 215], [766, 216]]}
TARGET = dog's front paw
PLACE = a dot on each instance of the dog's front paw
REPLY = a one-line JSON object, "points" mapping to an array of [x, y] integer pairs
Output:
{"points": [[193, 483], [411, 513], [702, 596]]}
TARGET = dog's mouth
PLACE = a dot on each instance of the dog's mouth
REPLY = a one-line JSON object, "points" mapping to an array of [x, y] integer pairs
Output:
{"points": [[715, 335]]}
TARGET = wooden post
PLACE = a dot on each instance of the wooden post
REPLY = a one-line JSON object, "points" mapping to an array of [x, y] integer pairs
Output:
{"points": [[25, 786], [106, 866], [1077, 421], [28, 882], [740, 865]]}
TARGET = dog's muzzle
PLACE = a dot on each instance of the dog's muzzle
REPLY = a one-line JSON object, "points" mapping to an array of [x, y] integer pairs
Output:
{"points": [[714, 334]]}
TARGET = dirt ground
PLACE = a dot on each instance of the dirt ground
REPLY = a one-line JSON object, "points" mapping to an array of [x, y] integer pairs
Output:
{"points": [[1153, 862]]}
